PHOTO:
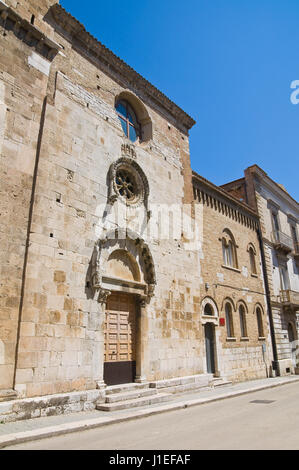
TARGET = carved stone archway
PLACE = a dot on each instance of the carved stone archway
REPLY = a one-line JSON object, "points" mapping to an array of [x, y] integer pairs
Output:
{"points": [[122, 263], [131, 245]]}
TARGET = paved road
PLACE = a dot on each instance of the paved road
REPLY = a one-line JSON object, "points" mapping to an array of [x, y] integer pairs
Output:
{"points": [[234, 423]]}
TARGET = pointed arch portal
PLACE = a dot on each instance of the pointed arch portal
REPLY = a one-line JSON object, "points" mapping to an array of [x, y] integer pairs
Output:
{"points": [[123, 274]]}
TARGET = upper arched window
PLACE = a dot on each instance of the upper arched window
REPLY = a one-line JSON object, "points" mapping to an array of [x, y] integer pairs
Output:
{"points": [[260, 326], [243, 325], [229, 250], [252, 258], [209, 310], [229, 320], [128, 120]]}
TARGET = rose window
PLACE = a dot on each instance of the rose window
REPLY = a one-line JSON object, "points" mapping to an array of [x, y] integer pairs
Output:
{"points": [[126, 184]]}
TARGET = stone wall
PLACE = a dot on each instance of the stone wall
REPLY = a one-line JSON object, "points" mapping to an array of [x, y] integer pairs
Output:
{"points": [[22, 93], [33, 11]]}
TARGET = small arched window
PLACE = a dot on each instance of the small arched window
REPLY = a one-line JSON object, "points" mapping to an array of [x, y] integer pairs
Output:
{"points": [[229, 250], [252, 258], [229, 320], [260, 326], [128, 120], [243, 325]]}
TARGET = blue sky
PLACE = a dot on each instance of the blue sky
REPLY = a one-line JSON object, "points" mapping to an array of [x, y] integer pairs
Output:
{"points": [[227, 63]]}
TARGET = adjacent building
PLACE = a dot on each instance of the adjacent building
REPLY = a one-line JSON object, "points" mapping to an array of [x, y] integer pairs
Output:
{"points": [[279, 219], [233, 301]]}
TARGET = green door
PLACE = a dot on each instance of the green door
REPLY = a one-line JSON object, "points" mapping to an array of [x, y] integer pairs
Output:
{"points": [[210, 347]]}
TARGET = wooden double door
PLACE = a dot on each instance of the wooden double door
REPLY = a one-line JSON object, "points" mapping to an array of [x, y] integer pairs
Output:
{"points": [[120, 339]]}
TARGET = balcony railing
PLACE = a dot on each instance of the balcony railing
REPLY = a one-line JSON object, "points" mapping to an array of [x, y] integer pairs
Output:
{"points": [[290, 297], [282, 241]]}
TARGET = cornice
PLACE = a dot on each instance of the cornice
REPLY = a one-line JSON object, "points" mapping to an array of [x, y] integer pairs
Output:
{"points": [[77, 32], [32, 31], [264, 180], [218, 191]]}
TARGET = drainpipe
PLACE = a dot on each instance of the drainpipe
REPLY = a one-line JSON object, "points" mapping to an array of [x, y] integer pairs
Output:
{"points": [[268, 297]]}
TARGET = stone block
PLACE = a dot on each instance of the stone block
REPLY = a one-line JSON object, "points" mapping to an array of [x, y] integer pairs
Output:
{"points": [[59, 276], [27, 360], [24, 375], [27, 329]]}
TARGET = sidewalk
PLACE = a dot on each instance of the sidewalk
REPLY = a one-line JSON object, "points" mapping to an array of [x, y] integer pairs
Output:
{"points": [[38, 428]]}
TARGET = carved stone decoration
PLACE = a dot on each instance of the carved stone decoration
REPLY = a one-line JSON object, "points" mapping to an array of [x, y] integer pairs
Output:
{"points": [[142, 302], [128, 183], [128, 150], [112, 199], [103, 296], [150, 291], [127, 242], [95, 268]]}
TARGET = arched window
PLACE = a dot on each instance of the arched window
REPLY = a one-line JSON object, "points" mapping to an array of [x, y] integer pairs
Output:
{"points": [[260, 326], [243, 325], [229, 320], [252, 258], [229, 250], [208, 310], [128, 120]]}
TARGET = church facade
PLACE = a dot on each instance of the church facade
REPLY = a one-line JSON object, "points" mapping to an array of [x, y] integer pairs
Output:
{"points": [[118, 263]]}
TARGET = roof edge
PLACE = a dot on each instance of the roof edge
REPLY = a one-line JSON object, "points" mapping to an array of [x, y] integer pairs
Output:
{"points": [[71, 25], [225, 194], [260, 172]]}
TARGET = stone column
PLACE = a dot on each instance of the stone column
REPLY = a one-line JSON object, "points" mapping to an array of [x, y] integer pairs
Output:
{"points": [[142, 342], [99, 340]]}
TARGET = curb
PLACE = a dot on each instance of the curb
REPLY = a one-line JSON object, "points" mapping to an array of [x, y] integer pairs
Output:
{"points": [[76, 426]]}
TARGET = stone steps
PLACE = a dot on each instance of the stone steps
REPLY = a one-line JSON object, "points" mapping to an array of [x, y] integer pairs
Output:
{"points": [[142, 392], [216, 383], [187, 382], [132, 395], [137, 402], [185, 388], [6, 395], [126, 387]]}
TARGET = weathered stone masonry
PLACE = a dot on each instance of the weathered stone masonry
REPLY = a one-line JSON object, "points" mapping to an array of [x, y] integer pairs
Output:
{"points": [[241, 356]]}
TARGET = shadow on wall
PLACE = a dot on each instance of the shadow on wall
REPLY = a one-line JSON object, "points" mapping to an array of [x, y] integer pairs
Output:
{"points": [[89, 289]]}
